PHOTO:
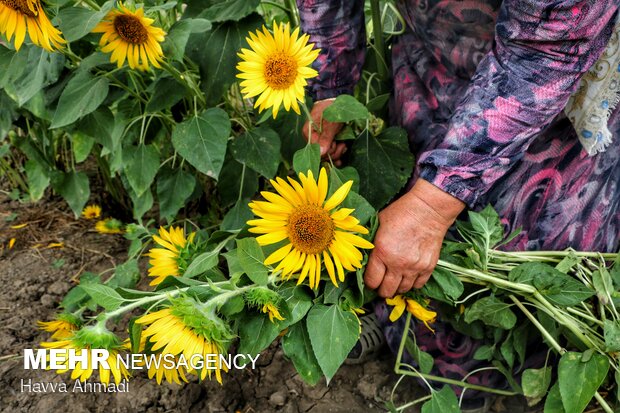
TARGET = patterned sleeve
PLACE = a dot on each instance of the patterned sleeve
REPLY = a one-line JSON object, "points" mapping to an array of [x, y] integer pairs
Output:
{"points": [[337, 28], [541, 50]]}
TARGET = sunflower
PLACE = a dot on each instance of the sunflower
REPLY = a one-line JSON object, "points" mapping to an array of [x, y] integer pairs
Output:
{"points": [[173, 257], [181, 329], [129, 35], [313, 228], [82, 341], [21, 16], [91, 212], [273, 312], [109, 226], [277, 68], [64, 326], [158, 369], [416, 309]]}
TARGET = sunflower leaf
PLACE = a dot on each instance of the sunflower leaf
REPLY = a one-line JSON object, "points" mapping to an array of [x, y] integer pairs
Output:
{"points": [[297, 346], [345, 109], [77, 22], [251, 258], [308, 159], [259, 149], [333, 333], [83, 94], [386, 156], [230, 10], [202, 141]]}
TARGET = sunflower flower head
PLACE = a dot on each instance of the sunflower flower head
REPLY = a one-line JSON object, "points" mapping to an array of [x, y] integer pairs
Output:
{"points": [[312, 228], [91, 212], [64, 326], [185, 328], [92, 337], [265, 299], [277, 67], [173, 255], [109, 226], [160, 371], [18, 17], [131, 36], [416, 309]]}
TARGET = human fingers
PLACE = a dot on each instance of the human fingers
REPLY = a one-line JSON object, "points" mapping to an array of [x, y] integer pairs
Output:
{"points": [[406, 284], [375, 271], [390, 284]]}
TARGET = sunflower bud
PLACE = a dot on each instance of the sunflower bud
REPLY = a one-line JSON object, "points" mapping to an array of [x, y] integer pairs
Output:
{"points": [[266, 300]]}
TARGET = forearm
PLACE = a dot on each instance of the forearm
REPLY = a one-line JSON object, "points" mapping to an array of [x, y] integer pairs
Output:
{"points": [[337, 28], [541, 52]]}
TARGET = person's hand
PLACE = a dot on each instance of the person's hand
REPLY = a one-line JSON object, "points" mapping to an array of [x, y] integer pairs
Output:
{"points": [[409, 238], [324, 133]]}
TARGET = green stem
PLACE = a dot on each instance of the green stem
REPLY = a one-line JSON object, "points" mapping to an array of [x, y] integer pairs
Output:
{"points": [[181, 78], [293, 12], [398, 370], [478, 275], [310, 120], [377, 28], [92, 4]]}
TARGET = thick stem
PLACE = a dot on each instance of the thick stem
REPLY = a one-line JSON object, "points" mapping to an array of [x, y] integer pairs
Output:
{"points": [[377, 28]]}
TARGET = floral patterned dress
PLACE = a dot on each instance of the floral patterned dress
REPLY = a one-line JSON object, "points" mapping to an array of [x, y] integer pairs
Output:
{"points": [[480, 85]]}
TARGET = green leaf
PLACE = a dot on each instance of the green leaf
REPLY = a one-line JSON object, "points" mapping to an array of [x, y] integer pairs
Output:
{"points": [[28, 71], [38, 179], [230, 10], [126, 275], [202, 263], [345, 109], [173, 189], [216, 54], [237, 216], [559, 288], [492, 312], [443, 286], [443, 401], [612, 336], [135, 333], [77, 22], [178, 35], [386, 156], [535, 383], [484, 352], [487, 223], [97, 125], [233, 306], [82, 95], [251, 259], [82, 145], [74, 188], [141, 166], [259, 149], [256, 333], [166, 93], [298, 301], [553, 404], [333, 333], [103, 295], [202, 140], [297, 347], [230, 183], [308, 159], [578, 380], [424, 360]]}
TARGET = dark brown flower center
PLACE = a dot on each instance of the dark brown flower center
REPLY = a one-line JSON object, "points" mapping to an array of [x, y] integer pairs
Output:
{"points": [[130, 29], [280, 71], [310, 229], [23, 7]]}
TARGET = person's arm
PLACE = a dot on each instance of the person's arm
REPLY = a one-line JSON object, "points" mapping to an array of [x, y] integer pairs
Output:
{"points": [[337, 28], [541, 51]]}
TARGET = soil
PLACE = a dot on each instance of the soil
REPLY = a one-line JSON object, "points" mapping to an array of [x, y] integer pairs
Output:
{"points": [[36, 274], [37, 277]]}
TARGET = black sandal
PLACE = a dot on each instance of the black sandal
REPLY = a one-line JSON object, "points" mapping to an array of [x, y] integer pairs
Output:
{"points": [[370, 342]]}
